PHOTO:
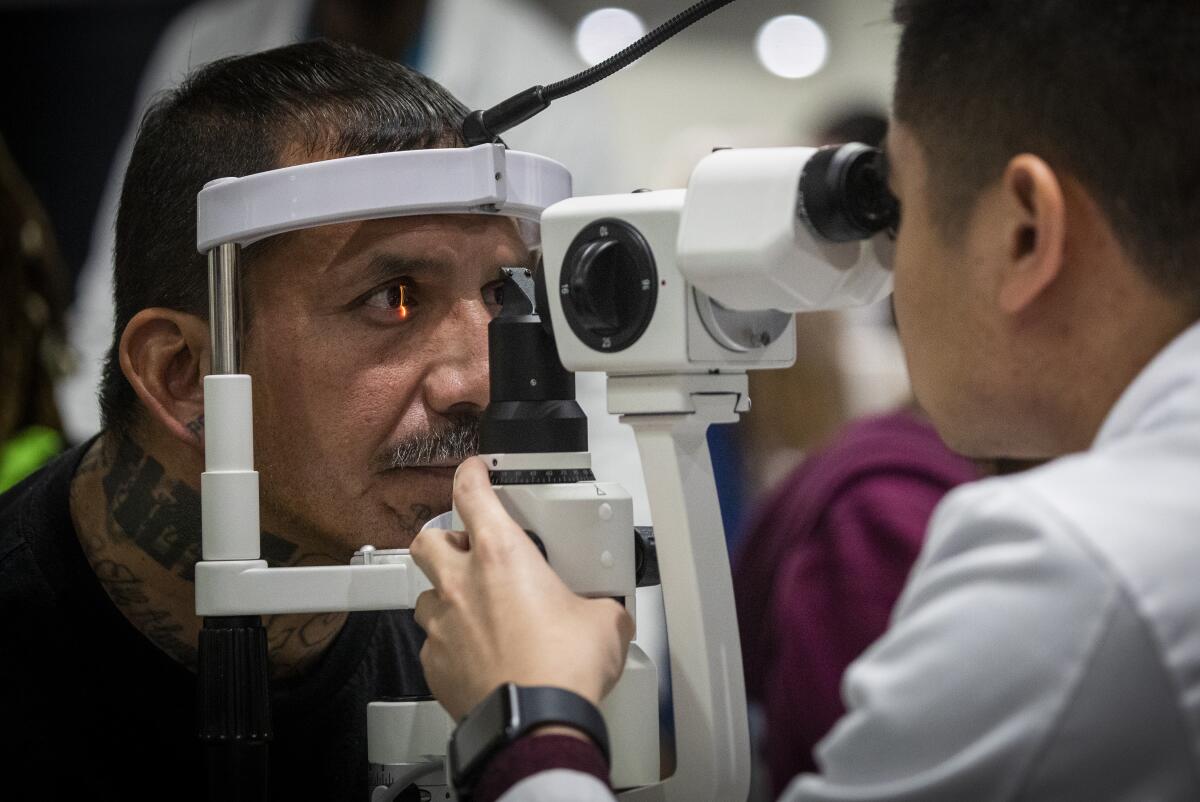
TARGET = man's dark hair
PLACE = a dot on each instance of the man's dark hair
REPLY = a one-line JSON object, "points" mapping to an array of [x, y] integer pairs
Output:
{"points": [[1108, 92], [236, 117]]}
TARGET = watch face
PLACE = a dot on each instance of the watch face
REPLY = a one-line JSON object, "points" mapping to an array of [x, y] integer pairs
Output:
{"points": [[484, 726]]}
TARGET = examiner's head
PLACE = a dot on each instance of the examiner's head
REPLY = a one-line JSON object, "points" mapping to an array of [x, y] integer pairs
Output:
{"points": [[346, 386], [1045, 156]]}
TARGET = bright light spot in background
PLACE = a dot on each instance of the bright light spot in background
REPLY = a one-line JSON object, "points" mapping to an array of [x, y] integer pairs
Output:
{"points": [[791, 46], [605, 32]]}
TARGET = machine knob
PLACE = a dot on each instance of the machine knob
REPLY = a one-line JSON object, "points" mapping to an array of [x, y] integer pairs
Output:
{"points": [[609, 285], [594, 286]]}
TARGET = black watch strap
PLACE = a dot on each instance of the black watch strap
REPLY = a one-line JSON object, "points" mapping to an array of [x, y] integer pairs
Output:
{"points": [[543, 705], [510, 712]]}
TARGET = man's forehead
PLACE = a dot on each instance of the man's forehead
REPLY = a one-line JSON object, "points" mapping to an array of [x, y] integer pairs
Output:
{"points": [[425, 242]]}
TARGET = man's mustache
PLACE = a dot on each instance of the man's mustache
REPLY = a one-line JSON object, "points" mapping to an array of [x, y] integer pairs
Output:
{"points": [[452, 443]]}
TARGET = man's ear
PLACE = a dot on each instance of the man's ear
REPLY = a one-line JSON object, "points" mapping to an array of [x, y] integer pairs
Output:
{"points": [[165, 356], [1032, 198]]}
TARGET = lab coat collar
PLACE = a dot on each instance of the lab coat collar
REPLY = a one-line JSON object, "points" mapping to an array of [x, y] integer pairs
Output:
{"points": [[1173, 372]]}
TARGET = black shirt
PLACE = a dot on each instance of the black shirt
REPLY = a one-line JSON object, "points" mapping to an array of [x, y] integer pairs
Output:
{"points": [[90, 709]]}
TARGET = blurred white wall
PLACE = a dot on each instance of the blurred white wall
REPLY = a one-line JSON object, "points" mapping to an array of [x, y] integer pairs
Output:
{"points": [[706, 87]]}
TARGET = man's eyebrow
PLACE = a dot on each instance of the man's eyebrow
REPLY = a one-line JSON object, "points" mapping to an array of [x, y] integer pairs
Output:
{"points": [[385, 266]]}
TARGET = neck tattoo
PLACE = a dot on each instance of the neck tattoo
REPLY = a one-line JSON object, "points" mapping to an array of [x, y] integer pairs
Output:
{"points": [[140, 530]]}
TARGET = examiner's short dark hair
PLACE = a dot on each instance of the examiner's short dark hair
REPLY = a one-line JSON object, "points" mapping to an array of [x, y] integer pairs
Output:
{"points": [[236, 117], [1107, 91]]}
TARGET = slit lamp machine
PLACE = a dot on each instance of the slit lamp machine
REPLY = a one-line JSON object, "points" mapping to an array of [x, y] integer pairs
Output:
{"points": [[673, 294]]}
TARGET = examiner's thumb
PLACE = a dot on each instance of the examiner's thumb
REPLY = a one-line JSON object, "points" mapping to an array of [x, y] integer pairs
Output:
{"points": [[470, 477], [483, 516]]}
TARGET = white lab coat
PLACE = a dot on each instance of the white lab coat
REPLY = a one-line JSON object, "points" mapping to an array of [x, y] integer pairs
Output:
{"points": [[1047, 645], [482, 52]]}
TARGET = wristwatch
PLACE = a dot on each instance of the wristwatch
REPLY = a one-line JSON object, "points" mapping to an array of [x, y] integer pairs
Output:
{"points": [[505, 715]]}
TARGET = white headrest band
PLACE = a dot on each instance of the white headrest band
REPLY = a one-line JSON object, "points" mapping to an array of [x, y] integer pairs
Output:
{"points": [[485, 179]]}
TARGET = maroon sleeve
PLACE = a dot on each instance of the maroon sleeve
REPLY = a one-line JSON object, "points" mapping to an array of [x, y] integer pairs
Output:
{"points": [[532, 754], [832, 599], [840, 536]]}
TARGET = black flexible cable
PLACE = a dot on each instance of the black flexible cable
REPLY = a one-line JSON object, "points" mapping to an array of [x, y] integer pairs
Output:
{"points": [[487, 125], [635, 51]]}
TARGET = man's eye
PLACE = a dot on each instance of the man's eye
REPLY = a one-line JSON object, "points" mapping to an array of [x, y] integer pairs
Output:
{"points": [[396, 298], [493, 294]]}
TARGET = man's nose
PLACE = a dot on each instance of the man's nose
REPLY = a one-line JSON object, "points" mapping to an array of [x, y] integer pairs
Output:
{"points": [[457, 379]]}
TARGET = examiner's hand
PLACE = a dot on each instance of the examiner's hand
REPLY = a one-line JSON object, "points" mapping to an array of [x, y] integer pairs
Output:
{"points": [[498, 613]]}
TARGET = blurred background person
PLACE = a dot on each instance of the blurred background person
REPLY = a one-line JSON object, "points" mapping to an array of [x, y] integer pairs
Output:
{"points": [[821, 566], [32, 349]]}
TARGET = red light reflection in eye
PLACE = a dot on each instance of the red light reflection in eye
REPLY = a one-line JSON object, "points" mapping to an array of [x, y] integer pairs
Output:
{"points": [[402, 309]]}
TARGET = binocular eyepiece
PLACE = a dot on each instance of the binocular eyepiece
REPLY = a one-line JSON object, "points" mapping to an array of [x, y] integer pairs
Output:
{"points": [[844, 195]]}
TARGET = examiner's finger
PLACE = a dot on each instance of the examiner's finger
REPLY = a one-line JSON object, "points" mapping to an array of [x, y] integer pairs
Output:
{"points": [[436, 551], [477, 503], [458, 539], [428, 605]]}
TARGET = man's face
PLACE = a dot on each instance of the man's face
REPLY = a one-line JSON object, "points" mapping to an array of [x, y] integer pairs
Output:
{"points": [[946, 324], [368, 346]]}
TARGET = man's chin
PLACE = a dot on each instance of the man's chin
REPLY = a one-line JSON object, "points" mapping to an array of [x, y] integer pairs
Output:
{"points": [[414, 496]]}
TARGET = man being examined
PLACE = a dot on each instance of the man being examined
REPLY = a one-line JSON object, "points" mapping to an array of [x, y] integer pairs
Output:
{"points": [[362, 412]]}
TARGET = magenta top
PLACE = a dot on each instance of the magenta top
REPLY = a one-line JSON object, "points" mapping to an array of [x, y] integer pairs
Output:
{"points": [[822, 565]]}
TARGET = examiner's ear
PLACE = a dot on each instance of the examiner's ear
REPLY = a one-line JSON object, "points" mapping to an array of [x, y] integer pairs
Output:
{"points": [[1036, 235], [164, 355]]}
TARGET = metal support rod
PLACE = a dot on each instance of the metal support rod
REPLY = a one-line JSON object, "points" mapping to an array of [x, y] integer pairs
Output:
{"points": [[670, 415], [225, 307], [233, 685]]}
